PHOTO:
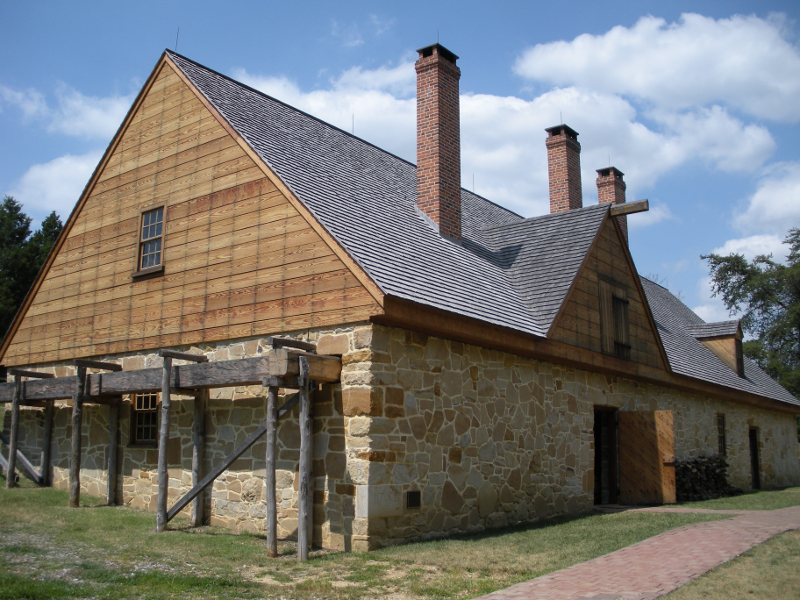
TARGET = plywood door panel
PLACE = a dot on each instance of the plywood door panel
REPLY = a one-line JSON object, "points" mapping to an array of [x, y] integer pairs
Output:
{"points": [[646, 457]]}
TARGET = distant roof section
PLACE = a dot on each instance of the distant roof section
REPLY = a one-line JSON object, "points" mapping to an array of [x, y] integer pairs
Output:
{"points": [[708, 330], [362, 194], [689, 357]]}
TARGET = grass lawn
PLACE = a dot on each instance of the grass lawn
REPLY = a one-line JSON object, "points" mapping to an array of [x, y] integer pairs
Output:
{"points": [[48, 550], [753, 501], [771, 570]]}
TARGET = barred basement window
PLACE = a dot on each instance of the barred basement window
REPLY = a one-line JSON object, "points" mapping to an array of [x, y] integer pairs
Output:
{"points": [[615, 328], [721, 441], [144, 421], [151, 240]]}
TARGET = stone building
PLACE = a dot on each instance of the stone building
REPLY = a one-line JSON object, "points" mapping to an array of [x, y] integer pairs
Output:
{"points": [[495, 369]]}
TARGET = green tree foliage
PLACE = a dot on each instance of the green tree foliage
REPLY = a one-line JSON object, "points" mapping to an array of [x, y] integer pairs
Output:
{"points": [[22, 254], [767, 294]]}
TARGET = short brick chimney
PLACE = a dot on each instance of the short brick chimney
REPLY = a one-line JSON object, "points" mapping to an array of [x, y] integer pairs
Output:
{"points": [[611, 188], [564, 168], [439, 139]]}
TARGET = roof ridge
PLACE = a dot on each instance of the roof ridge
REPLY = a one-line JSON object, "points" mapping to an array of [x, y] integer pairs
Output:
{"points": [[546, 216]]}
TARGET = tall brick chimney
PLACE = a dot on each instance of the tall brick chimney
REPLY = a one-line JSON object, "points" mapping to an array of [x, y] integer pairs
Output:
{"points": [[564, 168], [439, 139], [611, 188]]}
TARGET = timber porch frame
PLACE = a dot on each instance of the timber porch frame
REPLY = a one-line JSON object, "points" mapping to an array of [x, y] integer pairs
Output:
{"points": [[291, 364]]}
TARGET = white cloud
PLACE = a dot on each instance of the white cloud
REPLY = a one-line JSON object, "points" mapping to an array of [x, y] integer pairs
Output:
{"points": [[30, 102], [744, 62], [755, 245], [349, 34], [656, 214], [55, 185], [88, 116], [380, 24], [74, 114], [775, 205], [712, 309]]}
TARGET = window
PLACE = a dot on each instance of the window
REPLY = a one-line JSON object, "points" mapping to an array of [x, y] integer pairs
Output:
{"points": [[144, 421], [150, 245], [721, 441], [614, 319], [413, 499]]}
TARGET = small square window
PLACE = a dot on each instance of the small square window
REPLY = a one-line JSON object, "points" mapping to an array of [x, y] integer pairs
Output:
{"points": [[413, 499], [150, 244], [144, 419]]}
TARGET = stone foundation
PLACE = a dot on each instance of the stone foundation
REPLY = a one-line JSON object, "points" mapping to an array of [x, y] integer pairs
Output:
{"points": [[487, 439]]}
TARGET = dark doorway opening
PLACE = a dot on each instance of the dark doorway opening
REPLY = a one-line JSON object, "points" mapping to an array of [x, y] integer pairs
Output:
{"points": [[606, 456], [755, 465]]}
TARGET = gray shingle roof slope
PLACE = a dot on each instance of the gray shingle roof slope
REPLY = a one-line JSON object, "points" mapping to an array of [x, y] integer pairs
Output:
{"points": [[707, 330], [508, 270], [687, 356]]}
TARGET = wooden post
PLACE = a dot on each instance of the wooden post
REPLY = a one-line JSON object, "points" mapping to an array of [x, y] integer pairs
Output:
{"points": [[14, 438], [113, 451], [75, 449], [304, 486], [269, 479], [163, 439], [198, 441], [47, 438]]}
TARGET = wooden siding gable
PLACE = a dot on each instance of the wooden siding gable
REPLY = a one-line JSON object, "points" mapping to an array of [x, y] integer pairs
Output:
{"points": [[608, 266], [242, 256]]}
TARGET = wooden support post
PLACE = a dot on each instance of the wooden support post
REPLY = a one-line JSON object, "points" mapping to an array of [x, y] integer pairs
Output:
{"points": [[11, 474], [113, 452], [269, 479], [163, 439], [75, 449], [304, 486], [47, 438], [198, 446]]}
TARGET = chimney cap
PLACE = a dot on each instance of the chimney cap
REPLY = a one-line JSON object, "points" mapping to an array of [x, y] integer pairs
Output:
{"points": [[441, 50], [566, 129], [606, 171]]}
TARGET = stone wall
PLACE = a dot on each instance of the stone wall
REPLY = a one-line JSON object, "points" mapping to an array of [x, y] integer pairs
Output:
{"points": [[492, 439], [488, 439]]}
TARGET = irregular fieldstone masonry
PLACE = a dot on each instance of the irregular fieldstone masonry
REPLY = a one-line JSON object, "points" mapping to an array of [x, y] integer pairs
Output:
{"points": [[486, 438]]}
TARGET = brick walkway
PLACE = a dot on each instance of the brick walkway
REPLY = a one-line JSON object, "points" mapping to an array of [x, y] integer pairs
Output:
{"points": [[658, 565]]}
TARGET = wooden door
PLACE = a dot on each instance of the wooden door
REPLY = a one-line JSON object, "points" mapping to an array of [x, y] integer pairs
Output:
{"points": [[646, 457]]}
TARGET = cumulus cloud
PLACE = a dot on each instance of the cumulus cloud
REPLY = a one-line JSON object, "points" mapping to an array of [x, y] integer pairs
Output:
{"points": [[656, 214], [712, 309], [775, 205], [743, 62], [74, 114], [55, 185], [755, 245]]}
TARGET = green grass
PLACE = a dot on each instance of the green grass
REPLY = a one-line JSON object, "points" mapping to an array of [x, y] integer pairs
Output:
{"points": [[771, 500], [771, 570], [48, 550]]}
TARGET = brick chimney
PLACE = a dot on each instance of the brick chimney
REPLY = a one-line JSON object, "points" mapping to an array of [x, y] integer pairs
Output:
{"points": [[564, 168], [439, 139], [611, 188]]}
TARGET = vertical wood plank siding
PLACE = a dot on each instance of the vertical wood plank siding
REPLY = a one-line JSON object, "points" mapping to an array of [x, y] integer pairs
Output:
{"points": [[239, 260]]}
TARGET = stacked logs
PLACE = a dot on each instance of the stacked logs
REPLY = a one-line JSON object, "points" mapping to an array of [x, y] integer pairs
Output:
{"points": [[703, 478]]}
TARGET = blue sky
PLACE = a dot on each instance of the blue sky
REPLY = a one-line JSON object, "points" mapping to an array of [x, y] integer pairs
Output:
{"points": [[696, 102]]}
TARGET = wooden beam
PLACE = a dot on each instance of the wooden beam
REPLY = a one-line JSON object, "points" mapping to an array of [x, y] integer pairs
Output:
{"points": [[163, 439], [280, 342], [198, 447], [304, 492], [47, 438], [23, 461], [218, 470], [284, 362], [96, 364], [113, 451], [198, 358], [12, 444], [629, 208], [59, 388], [34, 374], [75, 447], [269, 478], [281, 382]]}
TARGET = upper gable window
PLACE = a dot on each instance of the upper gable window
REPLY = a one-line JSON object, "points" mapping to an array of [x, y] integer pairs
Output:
{"points": [[614, 319], [151, 237]]}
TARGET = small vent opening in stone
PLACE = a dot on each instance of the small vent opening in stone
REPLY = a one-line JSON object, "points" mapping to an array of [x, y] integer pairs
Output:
{"points": [[413, 499]]}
